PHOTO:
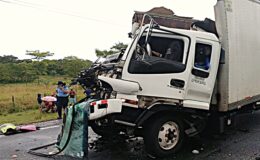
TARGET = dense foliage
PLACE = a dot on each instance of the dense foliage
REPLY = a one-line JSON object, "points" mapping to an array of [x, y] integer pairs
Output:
{"points": [[114, 49], [14, 70]]}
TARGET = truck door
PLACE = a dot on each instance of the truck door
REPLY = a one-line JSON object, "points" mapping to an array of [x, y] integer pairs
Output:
{"points": [[200, 85], [162, 72]]}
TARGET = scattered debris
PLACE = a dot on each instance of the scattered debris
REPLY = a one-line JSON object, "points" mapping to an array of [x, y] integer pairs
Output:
{"points": [[195, 151], [50, 153], [245, 130], [151, 156], [28, 128], [9, 128], [14, 156]]}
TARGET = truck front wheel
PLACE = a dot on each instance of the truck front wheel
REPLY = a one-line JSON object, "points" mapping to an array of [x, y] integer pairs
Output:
{"points": [[163, 136]]}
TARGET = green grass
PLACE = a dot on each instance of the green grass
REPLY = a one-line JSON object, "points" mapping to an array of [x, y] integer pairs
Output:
{"points": [[26, 117], [25, 100], [25, 95]]}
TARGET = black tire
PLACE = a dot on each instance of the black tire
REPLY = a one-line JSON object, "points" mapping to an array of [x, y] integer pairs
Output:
{"points": [[169, 127]]}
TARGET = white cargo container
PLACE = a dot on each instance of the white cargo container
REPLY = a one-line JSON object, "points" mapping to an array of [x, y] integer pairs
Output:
{"points": [[238, 24]]}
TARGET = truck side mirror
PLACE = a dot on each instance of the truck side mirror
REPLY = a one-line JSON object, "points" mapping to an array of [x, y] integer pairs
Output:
{"points": [[130, 35]]}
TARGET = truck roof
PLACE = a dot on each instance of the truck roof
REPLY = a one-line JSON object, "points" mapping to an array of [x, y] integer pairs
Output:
{"points": [[198, 34]]}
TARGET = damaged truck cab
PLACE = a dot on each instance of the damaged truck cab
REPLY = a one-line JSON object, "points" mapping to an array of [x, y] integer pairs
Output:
{"points": [[183, 73]]}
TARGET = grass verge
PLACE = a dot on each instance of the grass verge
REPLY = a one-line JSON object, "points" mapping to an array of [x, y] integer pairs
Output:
{"points": [[20, 97], [26, 117], [18, 101]]}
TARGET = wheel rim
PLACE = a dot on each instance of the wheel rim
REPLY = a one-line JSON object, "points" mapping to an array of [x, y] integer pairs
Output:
{"points": [[168, 135]]}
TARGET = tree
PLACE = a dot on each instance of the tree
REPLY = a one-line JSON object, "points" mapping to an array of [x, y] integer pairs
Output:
{"points": [[52, 67], [8, 59], [17, 72], [39, 55], [41, 67], [72, 65], [4, 73], [26, 70], [114, 49], [103, 53], [70, 58], [119, 46]]}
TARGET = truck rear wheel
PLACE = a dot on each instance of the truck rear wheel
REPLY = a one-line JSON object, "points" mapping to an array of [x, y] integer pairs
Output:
{"points": [[163, 136]]}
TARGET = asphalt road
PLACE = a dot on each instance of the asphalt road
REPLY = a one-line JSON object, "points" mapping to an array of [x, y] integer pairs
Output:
{"points": [[240, 143]]}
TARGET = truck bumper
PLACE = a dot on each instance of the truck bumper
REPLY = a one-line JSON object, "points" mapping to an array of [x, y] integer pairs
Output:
{"points": [[101, 108]]}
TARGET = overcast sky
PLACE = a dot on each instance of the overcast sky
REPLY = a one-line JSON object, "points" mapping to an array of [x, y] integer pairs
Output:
{"points": [[78, 27]]}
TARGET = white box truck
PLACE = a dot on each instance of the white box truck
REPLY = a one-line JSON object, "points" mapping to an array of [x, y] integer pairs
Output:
{"points": [[170, 82]]}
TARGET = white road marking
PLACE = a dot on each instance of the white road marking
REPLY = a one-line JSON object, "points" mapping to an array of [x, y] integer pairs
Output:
{"points": [[49, 127]]}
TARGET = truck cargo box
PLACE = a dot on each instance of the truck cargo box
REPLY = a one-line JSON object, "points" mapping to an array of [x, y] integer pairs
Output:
{"points": [[238, 23]]}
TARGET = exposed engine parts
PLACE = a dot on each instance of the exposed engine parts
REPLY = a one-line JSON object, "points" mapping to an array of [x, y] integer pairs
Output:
{"points": [[88, 78]]}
